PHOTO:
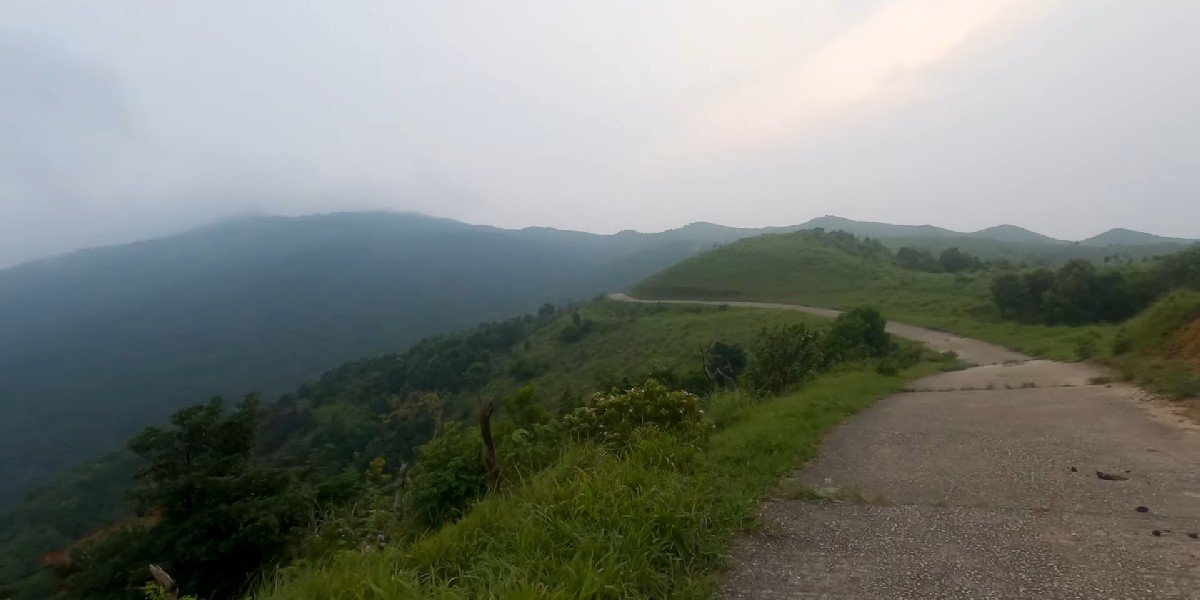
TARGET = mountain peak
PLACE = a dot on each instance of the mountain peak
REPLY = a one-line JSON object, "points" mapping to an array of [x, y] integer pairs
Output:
{"points": [[1119, 236]]}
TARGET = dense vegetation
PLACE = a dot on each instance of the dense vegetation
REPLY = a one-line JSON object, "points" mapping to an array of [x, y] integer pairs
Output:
{"points": [[385, 407], [99, 343], [633, 494]]}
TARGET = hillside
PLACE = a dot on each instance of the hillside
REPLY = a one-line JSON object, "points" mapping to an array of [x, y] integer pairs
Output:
{"points": [[826, 270], [333, 423], [1014, 235], [100, 342], [1128, 237]]}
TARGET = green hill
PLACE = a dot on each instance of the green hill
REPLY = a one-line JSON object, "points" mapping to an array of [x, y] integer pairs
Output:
{"points": [[1128, 237], [1014, 235], [829, 270], [101, 342]]}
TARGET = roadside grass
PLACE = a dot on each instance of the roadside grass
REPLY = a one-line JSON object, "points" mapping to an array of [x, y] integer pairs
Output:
{"points": [[624, 339], [1162, 347], [653, 522]]}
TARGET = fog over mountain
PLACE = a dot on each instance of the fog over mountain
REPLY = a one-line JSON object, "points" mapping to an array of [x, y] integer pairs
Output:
{"points": [[125, 120]]}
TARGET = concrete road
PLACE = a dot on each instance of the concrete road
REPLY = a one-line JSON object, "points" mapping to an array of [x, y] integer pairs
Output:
{"points": [[985, 483]]}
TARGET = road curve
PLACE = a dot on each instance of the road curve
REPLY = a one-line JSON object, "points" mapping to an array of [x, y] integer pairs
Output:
{"points": [[985, 483], [971, 351]]}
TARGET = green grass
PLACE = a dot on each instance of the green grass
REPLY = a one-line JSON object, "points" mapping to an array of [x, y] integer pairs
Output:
{"points": [[1158, 346], [629, 339], [801, 269], [653, 523]]}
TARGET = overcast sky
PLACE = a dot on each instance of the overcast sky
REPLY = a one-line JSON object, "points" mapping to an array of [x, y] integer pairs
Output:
{"points": [[128, 119]]}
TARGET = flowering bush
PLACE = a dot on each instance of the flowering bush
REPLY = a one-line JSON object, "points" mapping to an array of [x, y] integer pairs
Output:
{"points": [[613, 418]]}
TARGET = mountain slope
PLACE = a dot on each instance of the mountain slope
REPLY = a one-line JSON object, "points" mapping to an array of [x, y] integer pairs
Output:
{"points": [[100, 342], [1014, 235], [871, 229], [334, 422], [1128, 237]]}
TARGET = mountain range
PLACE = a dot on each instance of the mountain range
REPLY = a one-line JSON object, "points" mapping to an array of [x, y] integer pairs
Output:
{"points": [[101, 342]]}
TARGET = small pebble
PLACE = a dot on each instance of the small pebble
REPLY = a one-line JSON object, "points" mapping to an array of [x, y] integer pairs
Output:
{"points": [[1143, 509], [1156, 533], [1194, 536]]}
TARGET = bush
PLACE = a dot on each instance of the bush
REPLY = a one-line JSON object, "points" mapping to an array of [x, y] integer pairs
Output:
{"points": [[785, 356], [858, 334], [448, 474], [613, 418]]}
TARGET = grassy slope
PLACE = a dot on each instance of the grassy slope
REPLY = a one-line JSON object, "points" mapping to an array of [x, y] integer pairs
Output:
{"points": [[800, 268], [632, 339], [626, 340], [655, 523], [1164, 346]]}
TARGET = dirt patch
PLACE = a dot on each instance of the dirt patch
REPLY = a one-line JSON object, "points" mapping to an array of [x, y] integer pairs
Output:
{"points": [[1185, 345]]}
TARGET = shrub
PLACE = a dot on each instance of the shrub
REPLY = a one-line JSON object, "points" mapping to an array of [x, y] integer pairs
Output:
{"points": [[785, 356], [1121, 344], [857, 334], [613, 418], [448, 474], [724, 363], [1085, 348]]}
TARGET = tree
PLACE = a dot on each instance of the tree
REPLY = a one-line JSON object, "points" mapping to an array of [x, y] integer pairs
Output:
{"points": [[954, 260], [223, 517], [856, 334], [1011, 295], [916, 259], [723, 363]]}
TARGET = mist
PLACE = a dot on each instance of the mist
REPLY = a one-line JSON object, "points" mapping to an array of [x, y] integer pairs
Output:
{"points": [[124, 120]]}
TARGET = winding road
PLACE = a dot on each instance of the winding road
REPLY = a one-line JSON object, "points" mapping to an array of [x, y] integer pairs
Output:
{"points": [[1016, 478]]}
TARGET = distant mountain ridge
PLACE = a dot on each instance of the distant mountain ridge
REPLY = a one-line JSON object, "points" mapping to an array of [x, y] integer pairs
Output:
{"points": [[1011, 234], [1129, 237]]}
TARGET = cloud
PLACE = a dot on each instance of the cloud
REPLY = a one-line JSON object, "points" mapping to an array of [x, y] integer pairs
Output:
{"points": [[874, 64], [62, 120]]}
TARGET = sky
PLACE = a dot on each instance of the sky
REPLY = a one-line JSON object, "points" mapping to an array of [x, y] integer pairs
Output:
{"points": [[127, 119]]}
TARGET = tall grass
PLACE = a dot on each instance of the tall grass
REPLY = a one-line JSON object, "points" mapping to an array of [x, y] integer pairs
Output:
{"points": [[651, 522]]}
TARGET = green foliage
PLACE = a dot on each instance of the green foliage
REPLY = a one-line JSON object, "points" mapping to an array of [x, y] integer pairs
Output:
{"points": [[448, 475], [223, 517], [724, 363], [375, 407], [525, 409], [1079, 292], [1159, 347], [954, 260], [916, 259], [575, 331], [786, 356], [858, 333], [654, 521], [615, 417]]}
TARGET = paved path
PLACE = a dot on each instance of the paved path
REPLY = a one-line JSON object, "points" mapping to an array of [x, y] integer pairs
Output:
{"points": [[983, 483]]}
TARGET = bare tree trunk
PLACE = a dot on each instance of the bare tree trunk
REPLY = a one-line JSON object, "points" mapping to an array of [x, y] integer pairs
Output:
{"points": [[398, 499], [437, 410], [489, 444], [166, 581]]}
